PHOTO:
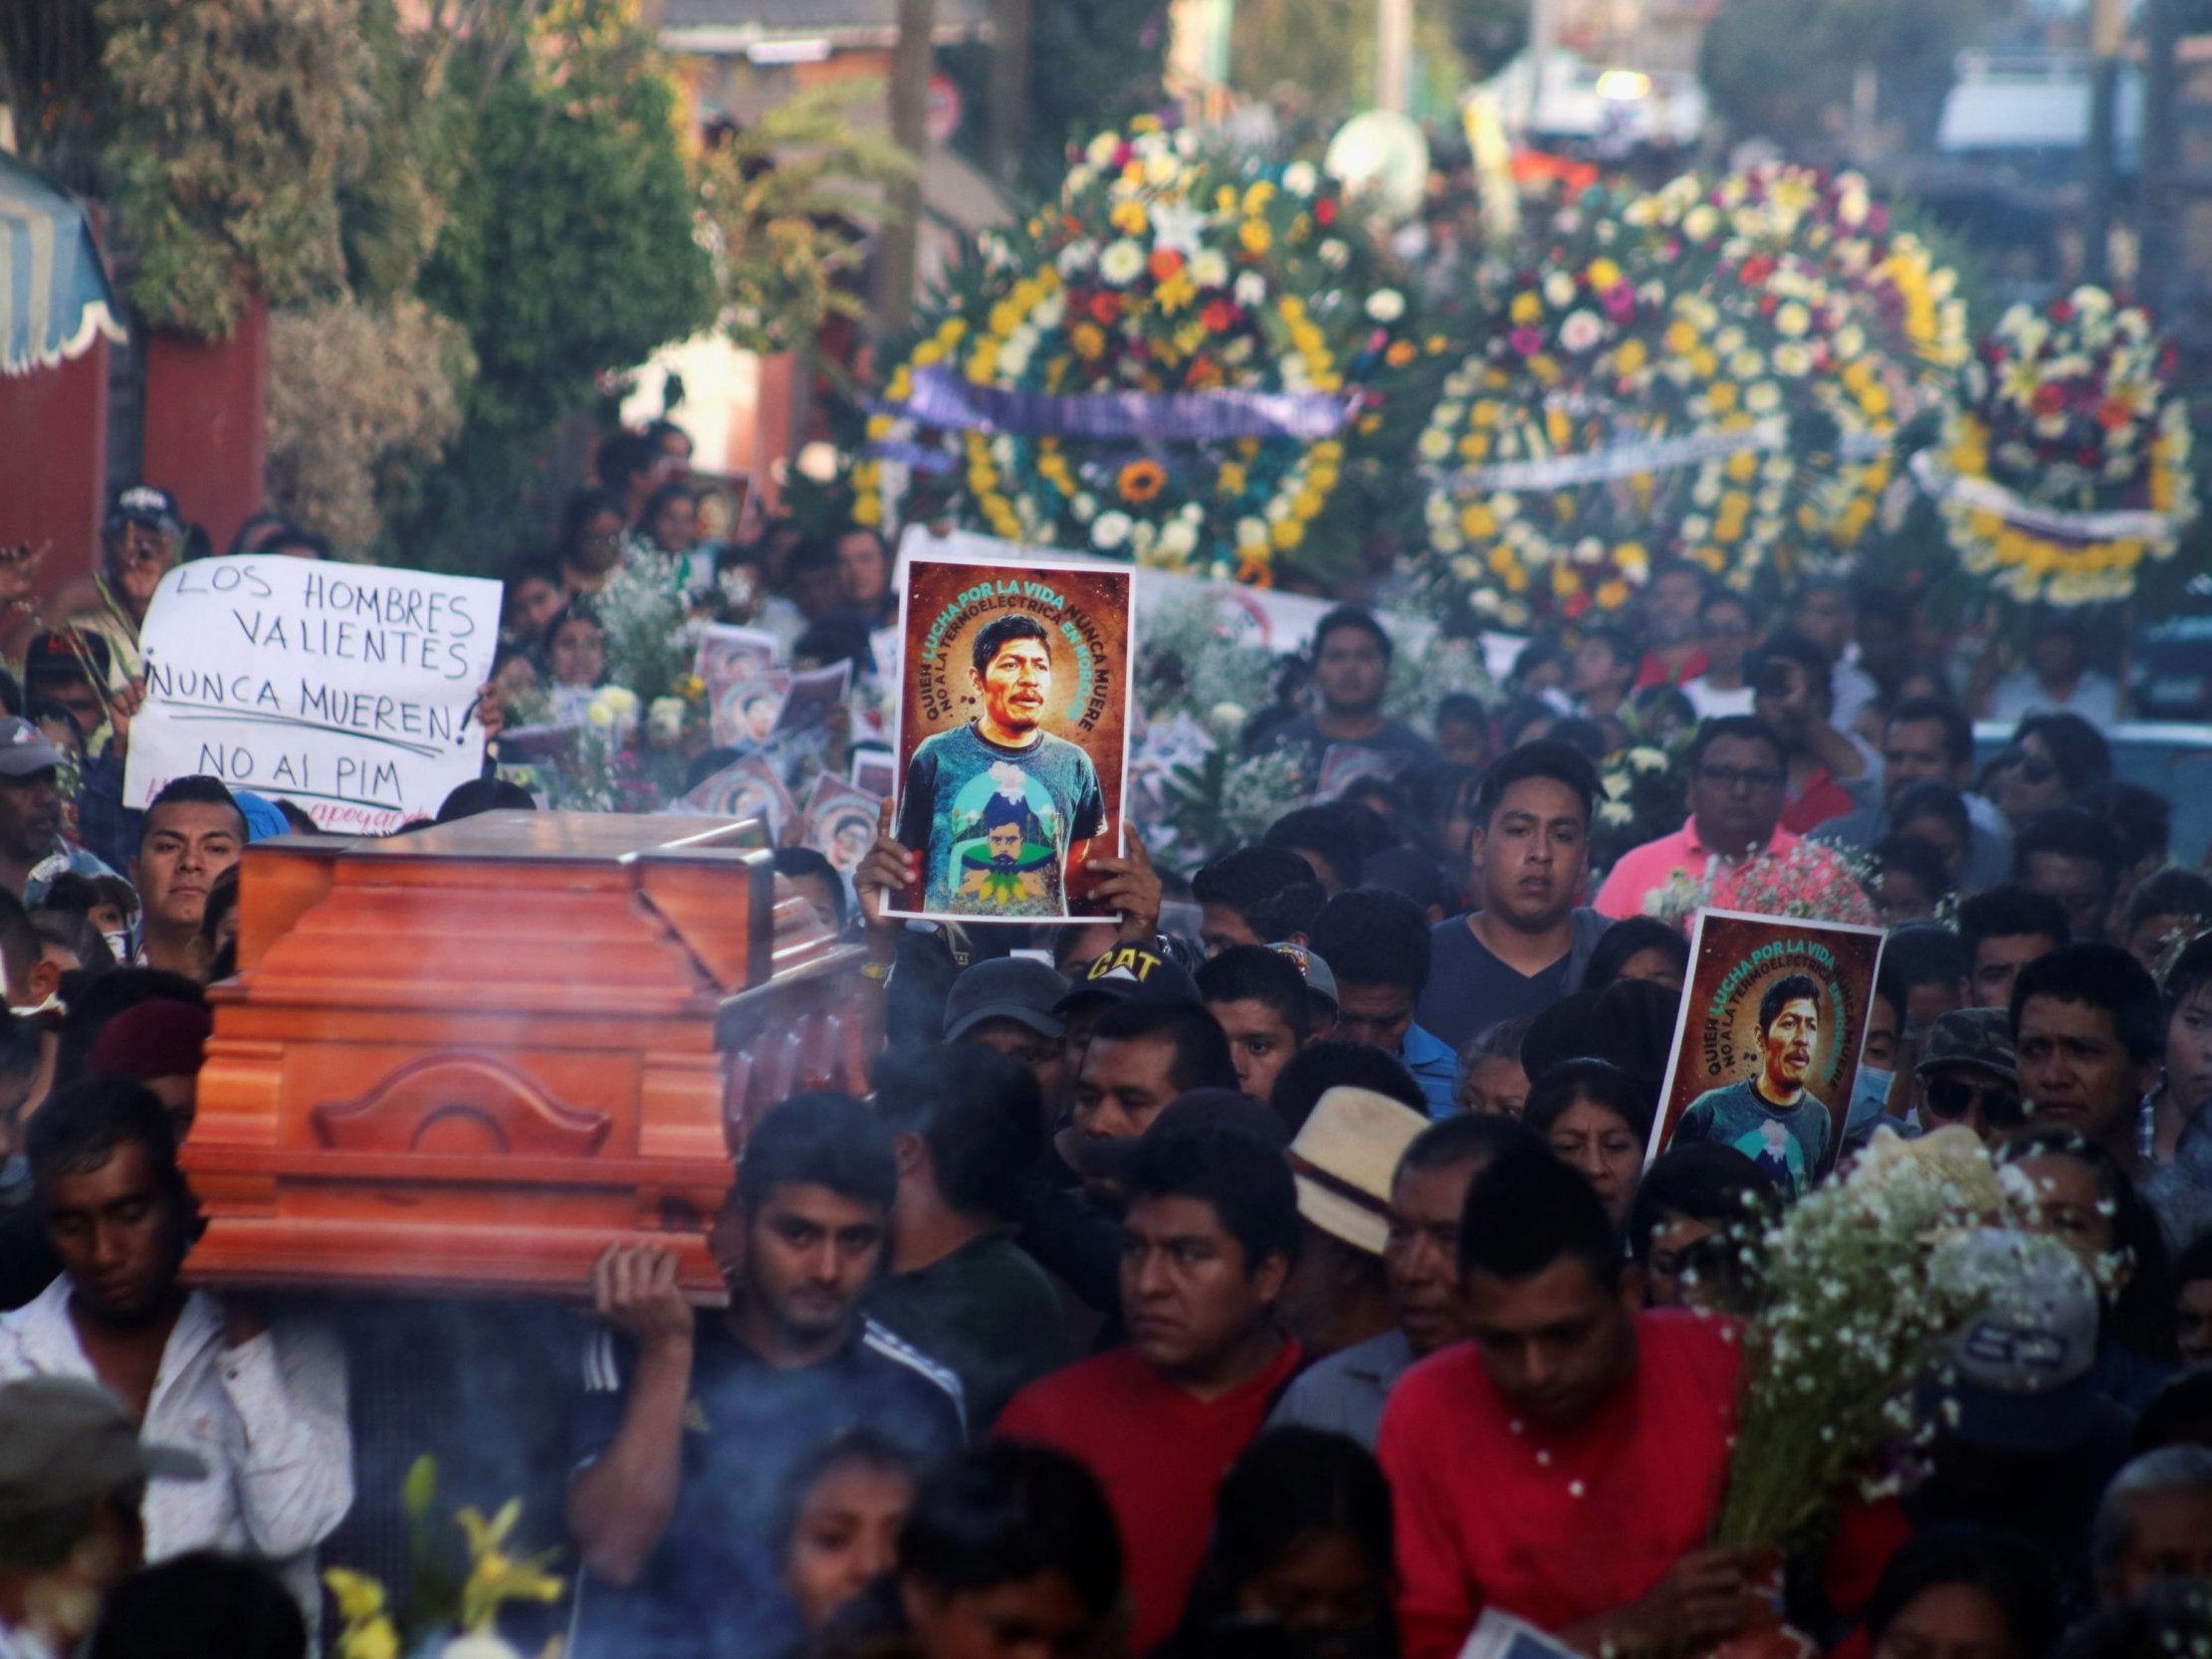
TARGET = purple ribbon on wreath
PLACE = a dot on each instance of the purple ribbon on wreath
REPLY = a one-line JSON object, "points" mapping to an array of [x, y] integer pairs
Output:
{"points": [[941, 398]]}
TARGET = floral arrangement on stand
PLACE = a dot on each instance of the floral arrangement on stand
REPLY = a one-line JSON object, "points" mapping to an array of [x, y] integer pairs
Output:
{"points": [[1712, 370], [2065, 468], [1170, 363], [452, 1617]]}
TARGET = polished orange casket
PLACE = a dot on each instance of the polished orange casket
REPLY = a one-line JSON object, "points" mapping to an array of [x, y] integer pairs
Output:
{"points": [[469, 1059]]}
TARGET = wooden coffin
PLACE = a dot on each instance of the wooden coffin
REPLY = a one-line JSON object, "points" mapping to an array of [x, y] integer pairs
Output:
{"points": [[469, 1059]]}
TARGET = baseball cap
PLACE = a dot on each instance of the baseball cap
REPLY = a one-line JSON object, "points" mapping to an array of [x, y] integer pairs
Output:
{"points": [[67, 653], [1976, 1037], [1193, 1109], [2022, 1373], [64, 1441], [23, 749], [1019, 988], [1343, 1161], [146, 504], [1319, 980], [1130, 973]]}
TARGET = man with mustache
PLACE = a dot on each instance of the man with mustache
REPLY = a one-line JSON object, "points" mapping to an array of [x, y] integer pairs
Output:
{"points": [[1011, 673], [33, 849], [1771, 1116]]}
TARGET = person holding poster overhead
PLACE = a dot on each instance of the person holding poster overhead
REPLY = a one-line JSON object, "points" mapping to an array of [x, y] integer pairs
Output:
{"points": [[1000, 809], [1770, 1116]]}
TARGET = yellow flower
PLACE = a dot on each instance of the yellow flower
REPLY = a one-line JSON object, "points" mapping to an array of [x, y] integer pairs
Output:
{"points": [[1253, 236], [1307, 504], [1127, 216], [1287, 534], [1630, 358], [1089, 341], [1603, 272], [1400, 353], [1611, 595], [1679, 339], [1478, 522], [1502, 561], [1175, 292], [1527, 309], [374, 1640], [1229, 480], [928, 352], [357, 1596], [1722, 395], [868, 512], [1259, 196]]}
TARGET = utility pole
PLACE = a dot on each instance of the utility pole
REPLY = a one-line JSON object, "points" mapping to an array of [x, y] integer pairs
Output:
{"points": [[2100, 163], [911, 61], [1393, 56], [1010, 90]]}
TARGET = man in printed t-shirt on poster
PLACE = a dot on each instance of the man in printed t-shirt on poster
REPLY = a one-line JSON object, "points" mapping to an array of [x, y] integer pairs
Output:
{"points": [[1000, 809]]}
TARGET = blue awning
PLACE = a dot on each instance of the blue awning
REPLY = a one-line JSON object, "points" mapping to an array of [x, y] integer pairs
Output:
{"points": [[54, 293]]}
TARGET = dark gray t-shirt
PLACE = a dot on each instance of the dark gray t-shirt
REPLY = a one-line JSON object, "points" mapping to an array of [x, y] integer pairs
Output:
{"points": [[947, 808], [1788, 1145]]}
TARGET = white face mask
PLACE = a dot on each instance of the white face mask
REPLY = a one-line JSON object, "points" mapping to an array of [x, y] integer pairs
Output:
{"points": [[1870, 1093]]}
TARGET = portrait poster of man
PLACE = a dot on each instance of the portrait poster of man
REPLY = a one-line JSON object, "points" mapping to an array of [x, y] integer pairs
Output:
{"points": [[838, 820], [728, 652], [812, 695], [1766, 1047], [747, 788], [1013, 734]]}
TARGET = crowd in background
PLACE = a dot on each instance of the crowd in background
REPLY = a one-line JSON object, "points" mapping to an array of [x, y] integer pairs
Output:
{"points": [[1276, 1266]]}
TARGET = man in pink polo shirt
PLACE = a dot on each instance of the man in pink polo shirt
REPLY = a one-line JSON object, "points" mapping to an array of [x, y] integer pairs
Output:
{"points": [[1737, 775]]}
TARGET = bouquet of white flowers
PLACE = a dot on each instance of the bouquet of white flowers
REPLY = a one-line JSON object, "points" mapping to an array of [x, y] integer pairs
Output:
{"points": [[1867, 1280]]}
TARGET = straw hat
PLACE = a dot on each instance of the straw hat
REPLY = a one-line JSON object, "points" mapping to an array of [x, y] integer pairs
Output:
{"points": [[1344, 1158]]}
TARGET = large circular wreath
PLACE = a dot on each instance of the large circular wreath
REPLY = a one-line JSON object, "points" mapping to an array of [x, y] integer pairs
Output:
{"points": [[1708, 371], [1229, 304], [2066, 466]]}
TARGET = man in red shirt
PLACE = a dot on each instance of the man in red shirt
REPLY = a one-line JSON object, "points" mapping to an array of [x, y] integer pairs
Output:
{"points": [[1210, 1232], [1565, 1466]]}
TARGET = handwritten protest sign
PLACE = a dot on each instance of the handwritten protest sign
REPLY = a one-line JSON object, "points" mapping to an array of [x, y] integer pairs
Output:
{"points": [[347, 689]]}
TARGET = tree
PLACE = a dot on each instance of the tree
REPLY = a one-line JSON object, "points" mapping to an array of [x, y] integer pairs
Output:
{"points": [[1093, 64], [232, 124], [782, 203], [569, 251]]}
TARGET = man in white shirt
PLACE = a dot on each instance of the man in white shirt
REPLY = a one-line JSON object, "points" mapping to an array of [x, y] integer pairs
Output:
{"points": [[263, 1406]]}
